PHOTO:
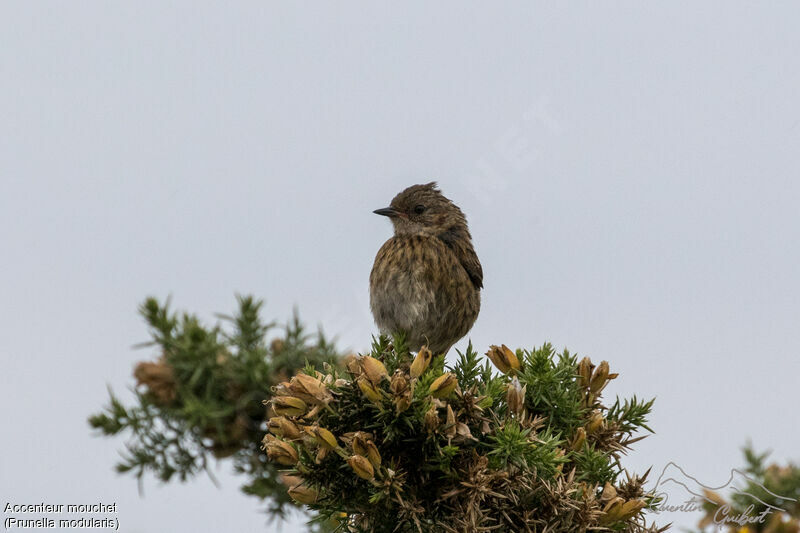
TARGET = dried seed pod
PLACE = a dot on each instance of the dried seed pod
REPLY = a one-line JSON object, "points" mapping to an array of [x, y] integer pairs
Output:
{"points": [[421, 362], [630, 508], [373, 454], [515, 396], [370, 391], [402, 403], [303, 494], [322, 453], [159, 378], [431, 419], [310, 389], [450, 424], [599, 378], [361, 466], [373, 369], [276, 345], [463, 432], [443, 386], [283, 427], [503, 358], [595, 422], [279, 451], [609, 492], [579, 439], [324, 437], [613, 509], [399, 384], [585, 368], [352, 365], [288, 406], [359, 445]]}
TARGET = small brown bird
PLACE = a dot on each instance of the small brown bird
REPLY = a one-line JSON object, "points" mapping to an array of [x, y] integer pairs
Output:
{"points": [[426, 280]]}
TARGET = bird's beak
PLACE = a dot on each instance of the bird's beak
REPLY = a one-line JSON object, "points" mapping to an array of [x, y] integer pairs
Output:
{"points": [[390, 212]]}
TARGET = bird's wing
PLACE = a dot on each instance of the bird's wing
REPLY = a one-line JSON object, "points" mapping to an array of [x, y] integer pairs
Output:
{"points": [[460, 242]]}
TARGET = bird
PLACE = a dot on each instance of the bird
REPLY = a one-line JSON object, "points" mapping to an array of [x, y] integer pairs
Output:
{"points": [[426, 280]]}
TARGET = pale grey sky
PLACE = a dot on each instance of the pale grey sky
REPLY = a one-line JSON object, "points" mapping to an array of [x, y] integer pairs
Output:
{"points": [[629, 172]]}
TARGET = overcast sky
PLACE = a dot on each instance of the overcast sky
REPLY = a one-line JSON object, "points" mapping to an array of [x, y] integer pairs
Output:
{"points": [[629, 172]]}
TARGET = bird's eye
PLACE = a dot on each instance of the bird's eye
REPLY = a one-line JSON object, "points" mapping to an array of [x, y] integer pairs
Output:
{"points": [[419, 208]]}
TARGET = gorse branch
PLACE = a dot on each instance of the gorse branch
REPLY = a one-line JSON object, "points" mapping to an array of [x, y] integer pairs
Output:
{"points": [[395, 442], [389, 441], [202, 398]]}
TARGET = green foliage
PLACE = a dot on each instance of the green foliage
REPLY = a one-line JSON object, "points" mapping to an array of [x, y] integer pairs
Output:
{"points": [[201, 400], [511, 445], [595, 466], [552, 387], [468, 367], [413, 447], [530, 450], [631, 414]]}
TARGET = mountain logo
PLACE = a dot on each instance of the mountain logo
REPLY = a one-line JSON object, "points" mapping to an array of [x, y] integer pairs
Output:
{"points": [[694, 496]]}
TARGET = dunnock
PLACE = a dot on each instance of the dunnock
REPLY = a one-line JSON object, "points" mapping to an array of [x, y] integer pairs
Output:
{"points": [[426, 280]]}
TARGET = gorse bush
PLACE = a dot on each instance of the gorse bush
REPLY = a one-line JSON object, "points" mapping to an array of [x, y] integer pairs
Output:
{"points": [[201, 399], [396, 442], [384, 442]]}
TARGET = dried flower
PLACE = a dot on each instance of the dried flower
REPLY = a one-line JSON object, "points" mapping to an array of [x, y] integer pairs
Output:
{"points": [[599, 378], [322, 453], [370, 391], [303, 494], [609, 492], [401, 390], [595, 422], [431, 419], [361, 466], [612, 510], [402, 403], [352, 365], [310, 389], [276, 345], [714, 497], [283, 427], [515, 396], [159, 378], [373, 369], [503, 358], [359, 445], [579, 439], [281, 389], [443, 386], [463, 432], [373, 454], [450, 424], [399, 384], [585, 368], [348, 437], [288, 406], [421, 362], [630, 508], [324, 438], [619, 509], [279, 451], [289, 480]]}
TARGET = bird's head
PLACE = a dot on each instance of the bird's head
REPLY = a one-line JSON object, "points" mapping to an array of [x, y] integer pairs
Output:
{"points": [[423, 210]]}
